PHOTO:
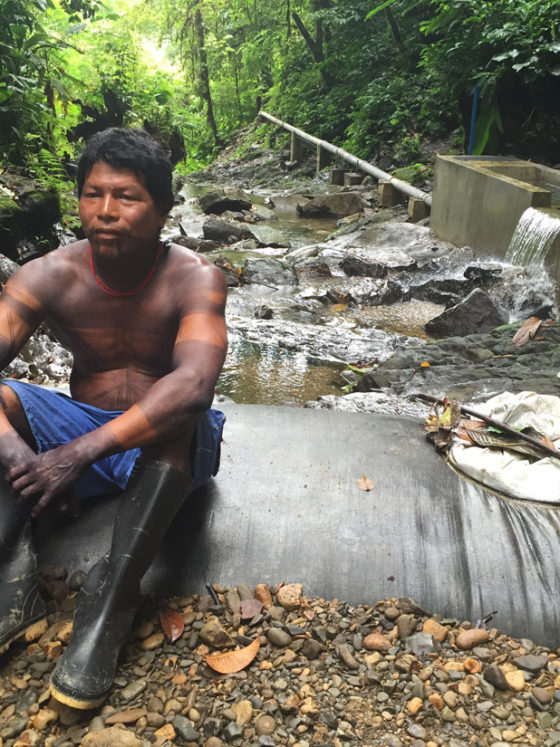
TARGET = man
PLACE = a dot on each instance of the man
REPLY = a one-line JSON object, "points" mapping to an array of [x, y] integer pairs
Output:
{"points": [[145, 323]]}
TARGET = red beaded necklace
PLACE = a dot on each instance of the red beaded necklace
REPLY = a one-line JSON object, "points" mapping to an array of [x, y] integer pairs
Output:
{"points": [[111, 291]]}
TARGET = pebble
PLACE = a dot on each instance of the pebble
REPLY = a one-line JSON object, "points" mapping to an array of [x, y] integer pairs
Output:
{"points": [[468, 638], [279, 637], [327, 672], [289, 596]]}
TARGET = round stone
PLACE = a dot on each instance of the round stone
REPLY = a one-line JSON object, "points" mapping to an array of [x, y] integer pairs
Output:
{"points": [[265, 725]]}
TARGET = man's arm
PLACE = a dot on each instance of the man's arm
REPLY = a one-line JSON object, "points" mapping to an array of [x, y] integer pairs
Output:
{"points": [[21, 312], [165, 411]]}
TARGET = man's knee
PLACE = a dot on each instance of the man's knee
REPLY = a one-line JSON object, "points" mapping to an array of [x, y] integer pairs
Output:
{"points": [[176, 451], [10, 403]]}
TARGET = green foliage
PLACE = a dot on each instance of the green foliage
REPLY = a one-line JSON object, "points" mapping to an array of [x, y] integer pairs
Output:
{"points": [[376, 77]]}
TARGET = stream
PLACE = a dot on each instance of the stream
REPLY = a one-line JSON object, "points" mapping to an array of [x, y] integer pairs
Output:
{"points": [[290, 343], [300, 354]]}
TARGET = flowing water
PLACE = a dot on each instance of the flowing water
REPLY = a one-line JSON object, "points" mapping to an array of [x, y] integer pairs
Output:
{"points": [[301, 352], [533, 237]]}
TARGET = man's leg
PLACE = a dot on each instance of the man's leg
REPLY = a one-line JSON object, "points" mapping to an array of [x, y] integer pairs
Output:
{"points": [[21, 606], [107, 601]]}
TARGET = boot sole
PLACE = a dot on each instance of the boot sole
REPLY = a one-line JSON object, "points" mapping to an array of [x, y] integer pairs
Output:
{"points": [[77, 703], [29, 633]]}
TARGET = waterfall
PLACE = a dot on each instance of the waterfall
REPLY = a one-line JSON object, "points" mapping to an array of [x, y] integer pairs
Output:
{"points": [[533, 237]]}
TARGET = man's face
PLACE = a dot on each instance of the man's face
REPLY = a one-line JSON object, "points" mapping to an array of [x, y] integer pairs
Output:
{"points": [[117, 212]]}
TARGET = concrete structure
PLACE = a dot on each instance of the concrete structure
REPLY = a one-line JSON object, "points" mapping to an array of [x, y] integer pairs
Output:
{"points": [[286, 505], [478, 200]]}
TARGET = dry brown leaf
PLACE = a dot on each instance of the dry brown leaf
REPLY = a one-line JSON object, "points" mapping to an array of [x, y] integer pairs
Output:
{"points": [[545, 441], [364, 483], [230, 662], [527, 330], [172, 623]]}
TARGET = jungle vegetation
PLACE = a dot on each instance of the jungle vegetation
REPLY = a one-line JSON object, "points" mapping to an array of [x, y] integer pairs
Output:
{"points": [[370, 75]]}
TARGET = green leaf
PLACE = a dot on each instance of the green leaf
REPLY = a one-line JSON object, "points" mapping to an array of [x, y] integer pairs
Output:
{"points": [[380, 8]]}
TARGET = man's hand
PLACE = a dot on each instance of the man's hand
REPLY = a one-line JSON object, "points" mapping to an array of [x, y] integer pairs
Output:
{"points": [[45, 477]]}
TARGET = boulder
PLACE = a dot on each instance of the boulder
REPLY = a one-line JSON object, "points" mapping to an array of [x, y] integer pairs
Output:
{"points": [[354, 265], [448, 291], [197, 245], [231, 273], [267, 271], [40, 211], [475, 314], [332, 205], [267, 236], [7, 268], [224, 232], [218, 201], [11, 226]]}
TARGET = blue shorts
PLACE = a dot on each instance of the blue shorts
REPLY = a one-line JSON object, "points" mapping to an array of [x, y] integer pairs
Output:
{"points": [[56, 419]]}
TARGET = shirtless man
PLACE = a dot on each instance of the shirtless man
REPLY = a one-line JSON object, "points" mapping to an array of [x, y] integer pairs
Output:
{"points": [[145, 323]]}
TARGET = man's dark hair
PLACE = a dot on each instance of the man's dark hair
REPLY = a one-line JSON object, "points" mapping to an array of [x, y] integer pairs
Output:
{"points": [[122, 148]]}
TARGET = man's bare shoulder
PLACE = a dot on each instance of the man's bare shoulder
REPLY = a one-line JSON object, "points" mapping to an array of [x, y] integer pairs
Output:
{"points": [[46, 277], [193, 268]]}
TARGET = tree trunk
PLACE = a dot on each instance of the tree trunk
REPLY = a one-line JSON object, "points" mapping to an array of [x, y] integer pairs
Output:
{"points": [[315, 46], [204, 77], [392, 21]]}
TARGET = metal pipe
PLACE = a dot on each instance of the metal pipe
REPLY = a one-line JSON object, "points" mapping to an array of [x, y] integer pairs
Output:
{"points": [[473, 119], [358, 163]]}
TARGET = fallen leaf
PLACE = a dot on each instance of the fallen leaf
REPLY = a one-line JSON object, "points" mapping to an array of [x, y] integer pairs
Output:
{"points": [[451, 414], [364, 483], [234, 661], [527, 330], [545, 441], [172, 623], [338, 307], [425, 364], [432, 422]]}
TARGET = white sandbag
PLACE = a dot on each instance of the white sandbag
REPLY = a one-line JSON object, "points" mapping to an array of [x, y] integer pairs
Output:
{"points": [[513, 474]]}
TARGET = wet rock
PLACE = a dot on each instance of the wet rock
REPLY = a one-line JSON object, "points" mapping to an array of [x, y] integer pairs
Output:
{"points": [[198, 245], [263, 312], [217, 201], [7, 266], [225, 232], [476, 314], [268, 271], [333, 205], [269, 236], [355, 265]]}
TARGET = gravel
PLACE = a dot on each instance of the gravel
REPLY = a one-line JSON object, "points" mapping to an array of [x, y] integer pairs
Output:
{"points": [[326, 673]]}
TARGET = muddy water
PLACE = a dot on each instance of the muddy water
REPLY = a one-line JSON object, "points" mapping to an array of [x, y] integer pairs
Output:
{"points": [[262, 370]]}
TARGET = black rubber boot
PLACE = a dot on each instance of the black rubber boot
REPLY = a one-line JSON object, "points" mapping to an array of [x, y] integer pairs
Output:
{"points": [[108, 599], [21, 606]]}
